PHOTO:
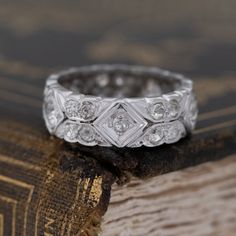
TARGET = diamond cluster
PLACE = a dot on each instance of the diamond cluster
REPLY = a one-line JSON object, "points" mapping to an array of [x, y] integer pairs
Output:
{"points": [[83, 110], [82, 133], [92, 120], [121, 124], [78, 128], [164, 110], [164, 133]]}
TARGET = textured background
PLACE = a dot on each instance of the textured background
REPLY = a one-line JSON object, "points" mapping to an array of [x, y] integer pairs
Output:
{"points": [[49, 187]]}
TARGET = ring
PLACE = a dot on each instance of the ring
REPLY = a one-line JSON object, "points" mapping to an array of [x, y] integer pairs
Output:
{"points": [[119, 105]]}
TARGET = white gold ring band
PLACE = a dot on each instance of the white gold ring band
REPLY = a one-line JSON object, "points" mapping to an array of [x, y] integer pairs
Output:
{"points": [[119, 105]]}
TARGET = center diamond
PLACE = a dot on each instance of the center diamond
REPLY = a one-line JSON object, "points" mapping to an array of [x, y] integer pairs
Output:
{"points": [[121, 121], [120, 124]]}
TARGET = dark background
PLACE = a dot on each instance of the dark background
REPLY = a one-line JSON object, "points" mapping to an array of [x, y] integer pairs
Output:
{"points": [[197, 37]]}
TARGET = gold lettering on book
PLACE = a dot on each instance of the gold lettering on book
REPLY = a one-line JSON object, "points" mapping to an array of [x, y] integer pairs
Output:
{"points": [[96, 191], [49, 226]]}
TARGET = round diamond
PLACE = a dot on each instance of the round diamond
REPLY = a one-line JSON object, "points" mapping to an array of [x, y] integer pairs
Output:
{"points": [[157, 111], [87, 134], [71, 131], [72, 108], [87, 110], [120, 121], [172, 133], [155, 135], [174, 108], [121, 126]]}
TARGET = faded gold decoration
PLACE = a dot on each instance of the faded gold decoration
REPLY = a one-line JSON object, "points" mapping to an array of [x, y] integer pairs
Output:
{"points": [[96, 191], [1, 225], [24, 202], [13, 203]]}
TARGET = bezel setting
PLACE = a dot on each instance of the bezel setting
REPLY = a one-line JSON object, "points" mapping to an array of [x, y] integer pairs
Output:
{"points": [[132, 122], [82, 109], [52, 113]]}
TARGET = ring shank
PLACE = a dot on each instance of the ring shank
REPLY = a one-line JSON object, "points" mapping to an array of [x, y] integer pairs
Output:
{"points": [[121, 82]]}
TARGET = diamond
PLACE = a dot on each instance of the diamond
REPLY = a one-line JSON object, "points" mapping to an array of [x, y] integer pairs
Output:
{"points": [[71, 131], [157, 110], [121, 121], [72, 108], [154, 135], [174, 131], [87, 133], [120, 124], [173, 108], [51, 110], [87, 110]]}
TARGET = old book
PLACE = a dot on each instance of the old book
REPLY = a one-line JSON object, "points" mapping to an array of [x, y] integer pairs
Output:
{"points": [[49, 187]]}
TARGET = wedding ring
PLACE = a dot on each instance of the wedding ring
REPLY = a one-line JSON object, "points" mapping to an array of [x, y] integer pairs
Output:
{"points": [[119, 105]]}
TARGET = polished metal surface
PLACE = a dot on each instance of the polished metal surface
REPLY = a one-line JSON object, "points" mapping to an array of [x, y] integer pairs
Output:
{"points": [[120, 105]]}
